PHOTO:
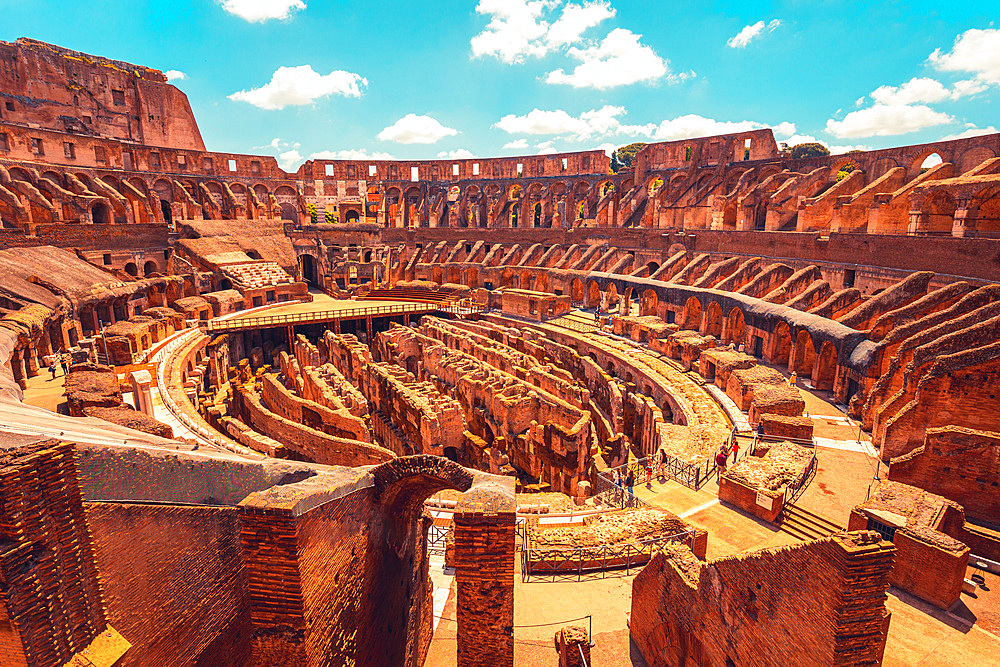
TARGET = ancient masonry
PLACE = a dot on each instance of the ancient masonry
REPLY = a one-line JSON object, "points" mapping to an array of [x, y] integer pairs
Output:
{"points": [[276, 422]]}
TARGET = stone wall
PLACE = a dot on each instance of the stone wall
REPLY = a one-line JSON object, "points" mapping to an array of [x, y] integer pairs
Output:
{"points": [[174, 582], [735, 610]]}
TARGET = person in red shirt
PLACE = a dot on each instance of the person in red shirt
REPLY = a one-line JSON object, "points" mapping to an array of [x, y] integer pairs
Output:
{"points": [[736, 450]]}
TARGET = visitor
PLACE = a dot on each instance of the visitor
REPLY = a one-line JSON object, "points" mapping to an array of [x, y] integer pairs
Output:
{"points": [[661, 468], [64, 362], [52, 367], [630, 481], [793, 378], [597, 316], [649, 473], [721, 461], [736, 451], [617, 478]]}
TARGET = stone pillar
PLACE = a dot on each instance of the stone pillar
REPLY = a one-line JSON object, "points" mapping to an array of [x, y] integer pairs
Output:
{"points": [[17, 368], [963, 222], [141, 395], [573, 645], [484, 575], [31, 360]]}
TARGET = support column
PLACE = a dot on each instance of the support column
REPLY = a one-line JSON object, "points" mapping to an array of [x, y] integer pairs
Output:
{"points": [[17, 369], [31, 360], [484, 576]]}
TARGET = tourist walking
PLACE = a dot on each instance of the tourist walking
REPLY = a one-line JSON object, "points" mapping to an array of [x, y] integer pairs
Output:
{"points": [[721, 461], [64, 361], [52, 367], [736, 451], [630, 481]]}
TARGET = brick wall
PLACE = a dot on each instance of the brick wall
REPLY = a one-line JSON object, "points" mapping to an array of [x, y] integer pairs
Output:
{"points": [[174, 582], [958, 463], [484, 577], [50, 596], [930, 565], [737, 609]]}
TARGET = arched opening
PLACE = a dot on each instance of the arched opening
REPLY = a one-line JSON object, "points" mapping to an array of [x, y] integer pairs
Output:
{"points": [[760, 217], [729, 217], [542, 282], [931, 160], [132, 269], [804, 355], [454, 275], [737, 327], [781, 344], [527, 281], [353, 216], [940, 213], [576, 292], [650, 302], [985, 211], [611, 297], [593, 295], [289, 213], [101, 213], [538, 215], [149, 268], [168, 215], [692, 314], [309, 274], [651, 268], [367, 256], [225, 284], [713, 320], [826, 367]]}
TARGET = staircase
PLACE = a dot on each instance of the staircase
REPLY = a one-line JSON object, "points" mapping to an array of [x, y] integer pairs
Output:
{"points": [[414, 294], [805, 525]]}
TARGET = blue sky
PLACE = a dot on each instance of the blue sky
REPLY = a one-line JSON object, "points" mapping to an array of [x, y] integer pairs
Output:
{"points": [[316, 78]]}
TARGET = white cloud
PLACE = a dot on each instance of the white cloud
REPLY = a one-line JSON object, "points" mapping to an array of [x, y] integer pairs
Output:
{"points": [[886, 120], [517, 144], [546, 148], [751, 32], [594, 123], [289, 160], [519, 29], [457, 154], [619, 60], [258, 11], [175, 75], [294, 86], [971, 132], [916, 90], [350, 154], [576, 20], [967, 88], [414, 129], [693, 125], [975, 51], [607, 148], [861, 100]]}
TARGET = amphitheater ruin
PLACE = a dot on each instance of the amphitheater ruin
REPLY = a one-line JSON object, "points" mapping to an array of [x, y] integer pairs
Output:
{"points": [[388, 412]]}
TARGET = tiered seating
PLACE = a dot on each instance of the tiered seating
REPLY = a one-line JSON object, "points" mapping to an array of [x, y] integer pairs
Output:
{"points": [[440, 295]]}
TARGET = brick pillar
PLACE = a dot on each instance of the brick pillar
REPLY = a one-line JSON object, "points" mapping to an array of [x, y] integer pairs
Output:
{"points": [[573, 644], [484, 575], [17, 368], [31, 360]]}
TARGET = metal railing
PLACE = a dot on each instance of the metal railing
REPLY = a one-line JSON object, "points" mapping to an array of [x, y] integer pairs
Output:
{"points": [[266, 321], [576, 561], [437, 539]]}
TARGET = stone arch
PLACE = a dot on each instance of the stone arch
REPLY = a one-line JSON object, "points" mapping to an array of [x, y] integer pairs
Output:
{"points": [[100, 213], [576, 292], [526, 280], [289, 212], [593, 295], [454, 275], [736, 327], [781, 344], [652, 267], [309, 269], [939, 213], [714, 320], [825, 367], [650, 302], [973, 157], [611, 297], [149, 268], [263, 194], [692, 313], [437, 274], [986, 211], [729, 216], [803, 354], [542, 282], [470, 277], [132, 269]]}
